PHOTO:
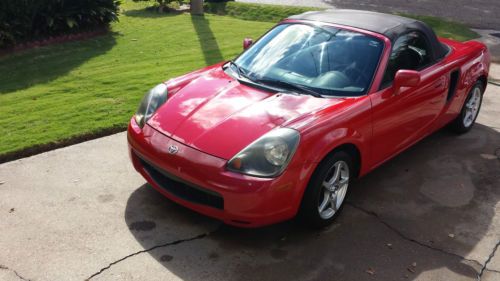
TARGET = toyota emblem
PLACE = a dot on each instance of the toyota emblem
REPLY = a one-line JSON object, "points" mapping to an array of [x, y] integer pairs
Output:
{"points": [[173, 149]]}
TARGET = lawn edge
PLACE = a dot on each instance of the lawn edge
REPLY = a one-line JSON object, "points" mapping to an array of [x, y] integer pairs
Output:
{"points": [[55, 40], [41, 148]]}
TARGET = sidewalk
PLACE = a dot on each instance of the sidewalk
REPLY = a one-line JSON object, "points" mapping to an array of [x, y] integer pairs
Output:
{"points": [[483, 20], [476, 14]]}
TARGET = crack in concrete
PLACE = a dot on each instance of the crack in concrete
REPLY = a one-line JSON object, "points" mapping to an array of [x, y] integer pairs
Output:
{"points": [[492, 270], [490, 257], [15, 272], [368, 212], [404, 237], [176, 242]]}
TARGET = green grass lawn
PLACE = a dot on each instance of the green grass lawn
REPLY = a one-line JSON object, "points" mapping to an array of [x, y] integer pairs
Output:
{"points": [[51, 94], [61, 91]]}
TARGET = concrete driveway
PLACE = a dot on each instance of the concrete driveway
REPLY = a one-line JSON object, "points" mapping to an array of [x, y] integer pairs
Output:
{"points": [[82, 212]]}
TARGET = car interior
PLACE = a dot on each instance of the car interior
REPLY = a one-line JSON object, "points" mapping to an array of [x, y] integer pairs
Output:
{"points": [[342, 63], [410, 52]]}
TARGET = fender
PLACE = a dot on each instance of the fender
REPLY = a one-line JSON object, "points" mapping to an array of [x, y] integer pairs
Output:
{"points": [[476, 68], [349, 123], [330, 141]]}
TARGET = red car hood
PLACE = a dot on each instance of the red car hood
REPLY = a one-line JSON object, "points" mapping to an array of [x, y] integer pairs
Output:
{"points": [[216, 114]]}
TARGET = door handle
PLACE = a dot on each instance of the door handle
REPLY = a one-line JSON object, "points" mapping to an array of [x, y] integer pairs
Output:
{"points": [[440, 83]]}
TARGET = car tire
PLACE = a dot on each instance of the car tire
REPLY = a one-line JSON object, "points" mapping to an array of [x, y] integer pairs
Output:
{"points": [[313, 212], [470, 110]]}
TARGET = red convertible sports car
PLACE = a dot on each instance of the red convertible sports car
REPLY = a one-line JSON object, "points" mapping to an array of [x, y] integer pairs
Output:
{"points": [[319, 100]]}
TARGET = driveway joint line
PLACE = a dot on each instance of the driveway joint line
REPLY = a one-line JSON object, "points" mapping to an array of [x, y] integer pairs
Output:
{"points": [[176, 242], [404, 237], [490, 257], [15, 272]]}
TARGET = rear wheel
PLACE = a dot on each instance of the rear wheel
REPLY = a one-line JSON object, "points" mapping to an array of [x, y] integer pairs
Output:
{"points": [[326, 192], [470, 110]]}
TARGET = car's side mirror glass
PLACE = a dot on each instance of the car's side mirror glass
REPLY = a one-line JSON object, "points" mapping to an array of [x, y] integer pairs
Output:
{"points": [[406, 78], [247, 42]]}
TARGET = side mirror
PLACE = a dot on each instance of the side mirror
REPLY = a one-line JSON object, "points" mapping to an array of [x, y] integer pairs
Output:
{"points": [[406, 78], [247, 42]]}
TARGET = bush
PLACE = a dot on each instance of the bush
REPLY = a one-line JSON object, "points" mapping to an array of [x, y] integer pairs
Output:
{"points": [[27, 20], [163, 4], [247, 11]]}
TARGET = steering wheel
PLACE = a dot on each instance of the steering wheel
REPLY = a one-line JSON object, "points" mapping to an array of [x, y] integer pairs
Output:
{"points": [[417, 53]]}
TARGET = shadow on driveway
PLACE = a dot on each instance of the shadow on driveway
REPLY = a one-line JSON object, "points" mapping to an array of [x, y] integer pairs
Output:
{"points": [[419, 213]]}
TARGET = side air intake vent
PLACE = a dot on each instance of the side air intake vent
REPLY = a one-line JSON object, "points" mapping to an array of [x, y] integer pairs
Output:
{"points": [[453, 84]]}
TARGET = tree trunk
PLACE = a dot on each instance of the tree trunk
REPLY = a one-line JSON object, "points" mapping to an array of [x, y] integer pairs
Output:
{"points": [[197, 7]]}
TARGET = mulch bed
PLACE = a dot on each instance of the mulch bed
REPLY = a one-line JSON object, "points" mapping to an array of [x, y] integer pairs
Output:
{"points": [[54, 40]]}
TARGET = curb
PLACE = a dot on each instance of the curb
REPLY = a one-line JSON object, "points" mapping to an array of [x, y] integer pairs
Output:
{"points": [[37, 149]]}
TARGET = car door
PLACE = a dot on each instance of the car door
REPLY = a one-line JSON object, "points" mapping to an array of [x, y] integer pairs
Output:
{"points": [[401, 117]]}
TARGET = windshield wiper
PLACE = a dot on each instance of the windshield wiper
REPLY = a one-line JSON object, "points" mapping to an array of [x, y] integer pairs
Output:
{"points": [[291, 86], [240, 71], [270, 82]]}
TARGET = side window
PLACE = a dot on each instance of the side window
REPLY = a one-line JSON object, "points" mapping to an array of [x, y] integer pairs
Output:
{"points": [[410, 51]]}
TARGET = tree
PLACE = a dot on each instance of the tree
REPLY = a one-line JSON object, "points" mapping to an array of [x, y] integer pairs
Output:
{"points": [[197, 7]]}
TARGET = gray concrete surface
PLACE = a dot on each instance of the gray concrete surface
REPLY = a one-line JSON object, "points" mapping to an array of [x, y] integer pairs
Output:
{"points": [[495, 73], [80, 212], [493, 42], [482, 14]]}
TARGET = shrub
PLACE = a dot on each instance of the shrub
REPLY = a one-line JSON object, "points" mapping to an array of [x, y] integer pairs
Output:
{"points": [[217, 1], [27, 20], [247, 11], [162, 4]]}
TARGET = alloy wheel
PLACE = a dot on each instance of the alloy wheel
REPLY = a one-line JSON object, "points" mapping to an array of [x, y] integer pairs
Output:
{"points": [[472, 107], [334, 190]]}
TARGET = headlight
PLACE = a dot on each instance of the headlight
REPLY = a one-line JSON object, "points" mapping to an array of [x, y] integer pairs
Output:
{"points": [[268, 156], [150, 103]]}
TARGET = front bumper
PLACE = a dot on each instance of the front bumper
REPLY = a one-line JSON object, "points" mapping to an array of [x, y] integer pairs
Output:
{"points": [[200, 181]]}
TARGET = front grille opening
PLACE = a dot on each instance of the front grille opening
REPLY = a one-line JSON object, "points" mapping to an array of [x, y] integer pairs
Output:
{"points": [[240, 222], [185, 191]]}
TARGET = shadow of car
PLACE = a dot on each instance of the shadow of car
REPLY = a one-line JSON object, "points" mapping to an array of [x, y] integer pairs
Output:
{"points": [[429, 208]]}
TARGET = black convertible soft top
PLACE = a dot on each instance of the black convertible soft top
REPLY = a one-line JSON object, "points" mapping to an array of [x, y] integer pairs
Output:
{"points": [[391, 26]]}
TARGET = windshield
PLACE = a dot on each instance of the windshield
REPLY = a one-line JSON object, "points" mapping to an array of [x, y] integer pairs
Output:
{"points": [[328, 60]]}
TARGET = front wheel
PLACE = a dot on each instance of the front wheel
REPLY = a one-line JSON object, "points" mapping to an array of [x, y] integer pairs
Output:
{"points": [[325, 194], [470, 110]]}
